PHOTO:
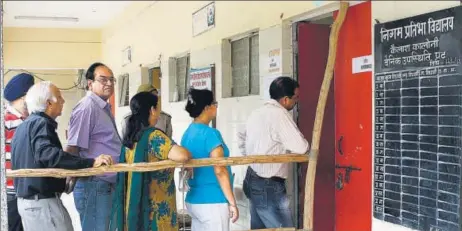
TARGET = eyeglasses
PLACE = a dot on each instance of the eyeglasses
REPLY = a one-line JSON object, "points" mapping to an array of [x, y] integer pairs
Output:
{"points": [[105, 81]]}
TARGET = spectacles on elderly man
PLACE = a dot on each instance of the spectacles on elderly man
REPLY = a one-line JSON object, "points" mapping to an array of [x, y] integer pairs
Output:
{"points": [[105, 81]]}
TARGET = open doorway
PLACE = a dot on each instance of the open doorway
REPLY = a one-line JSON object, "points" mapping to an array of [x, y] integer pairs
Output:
{"points": [[343, 196], [312, 39], [155, 80]]}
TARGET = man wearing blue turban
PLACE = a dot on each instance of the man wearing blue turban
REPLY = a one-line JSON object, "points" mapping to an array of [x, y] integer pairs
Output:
{"points": [[15, 113]]}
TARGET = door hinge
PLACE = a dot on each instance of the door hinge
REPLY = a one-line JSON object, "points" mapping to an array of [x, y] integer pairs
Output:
{"points": [[295, 47]]}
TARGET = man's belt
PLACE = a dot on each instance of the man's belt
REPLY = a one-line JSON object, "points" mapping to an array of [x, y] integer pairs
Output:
{"points": [[42, 196], [273, 178], [278, 179]]}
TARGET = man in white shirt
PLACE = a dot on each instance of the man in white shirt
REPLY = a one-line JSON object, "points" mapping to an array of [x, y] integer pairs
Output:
{"points": [[271, 130]]}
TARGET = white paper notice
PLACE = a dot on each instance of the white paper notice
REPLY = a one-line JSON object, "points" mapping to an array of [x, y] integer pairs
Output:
{"points": [[362, 64], [274, 61], [266, 85]]}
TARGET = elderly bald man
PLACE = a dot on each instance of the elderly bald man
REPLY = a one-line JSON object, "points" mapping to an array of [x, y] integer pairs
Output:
{"points": [[36, 145]]}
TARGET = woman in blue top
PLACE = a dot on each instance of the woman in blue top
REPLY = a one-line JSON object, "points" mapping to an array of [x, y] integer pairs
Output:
{"points": [[210, 199]]}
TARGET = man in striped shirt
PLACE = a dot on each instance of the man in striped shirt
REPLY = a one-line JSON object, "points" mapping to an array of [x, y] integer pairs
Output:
{"points": [[271, 130], [15, 113]]}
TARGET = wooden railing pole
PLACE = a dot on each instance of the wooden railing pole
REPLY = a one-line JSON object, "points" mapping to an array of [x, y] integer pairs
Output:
{"points": [[314, 152], [154, 166]]}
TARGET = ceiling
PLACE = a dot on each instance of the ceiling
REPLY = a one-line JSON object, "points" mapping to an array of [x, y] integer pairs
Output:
{"points": [[77, 14]]}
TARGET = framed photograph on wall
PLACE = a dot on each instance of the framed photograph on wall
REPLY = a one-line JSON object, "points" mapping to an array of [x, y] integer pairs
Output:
{"points": [[203, 19]]}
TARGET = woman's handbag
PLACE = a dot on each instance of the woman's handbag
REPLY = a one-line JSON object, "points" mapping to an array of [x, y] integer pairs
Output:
{"points": [[185, 175]]}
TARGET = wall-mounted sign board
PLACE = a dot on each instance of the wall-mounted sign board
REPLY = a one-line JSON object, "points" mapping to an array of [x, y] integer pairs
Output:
{"points": [[362, 64], [203, 78], [200, 78], [126, 55], [418, 121]]}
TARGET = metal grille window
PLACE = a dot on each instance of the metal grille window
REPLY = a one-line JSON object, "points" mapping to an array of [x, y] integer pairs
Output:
{"points": [[182, 72], [124, 91], [245, 66]]}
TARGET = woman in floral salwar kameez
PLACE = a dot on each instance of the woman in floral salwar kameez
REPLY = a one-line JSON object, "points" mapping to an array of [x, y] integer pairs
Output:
{"points": [[146, 201]]}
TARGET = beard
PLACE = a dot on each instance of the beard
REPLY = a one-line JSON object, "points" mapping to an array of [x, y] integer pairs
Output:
{"points": [[24, 110]]}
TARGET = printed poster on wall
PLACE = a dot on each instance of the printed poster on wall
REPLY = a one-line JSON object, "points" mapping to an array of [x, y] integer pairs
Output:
{"points": [[274, 61], [200, 78]]}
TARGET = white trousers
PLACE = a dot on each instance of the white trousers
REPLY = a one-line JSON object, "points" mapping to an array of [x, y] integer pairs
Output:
{"points": [[44, 215], [209, 217]]}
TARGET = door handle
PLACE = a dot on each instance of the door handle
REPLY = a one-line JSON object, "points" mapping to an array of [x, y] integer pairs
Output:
{"points": [[339, 145]]}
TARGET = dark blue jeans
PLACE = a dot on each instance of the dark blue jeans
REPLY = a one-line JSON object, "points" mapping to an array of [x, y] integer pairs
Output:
{"points": [[93, 201], [269, 204]]}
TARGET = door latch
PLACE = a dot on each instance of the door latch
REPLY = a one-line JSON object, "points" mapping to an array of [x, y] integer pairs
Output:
{"points": [[348, 170], [339, 181]]}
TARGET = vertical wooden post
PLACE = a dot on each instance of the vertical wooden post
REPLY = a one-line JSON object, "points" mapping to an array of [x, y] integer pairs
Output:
{"points": [[317, 128], [3, 199], [212, 72]]}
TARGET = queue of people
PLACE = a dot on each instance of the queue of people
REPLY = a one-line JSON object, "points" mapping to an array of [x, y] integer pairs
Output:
{"points": [[132, 201]]}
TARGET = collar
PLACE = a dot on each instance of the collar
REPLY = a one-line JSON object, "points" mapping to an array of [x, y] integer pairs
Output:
{"points": [[100, 102], [13, 111], [275, 103], [47, 117]]}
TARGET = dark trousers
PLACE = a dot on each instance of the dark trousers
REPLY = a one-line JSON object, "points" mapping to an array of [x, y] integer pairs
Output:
{"points": [[269, 204], [14, 219]]}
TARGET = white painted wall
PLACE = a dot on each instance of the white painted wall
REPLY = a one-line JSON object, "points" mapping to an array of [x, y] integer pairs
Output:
{"points": [[232, 112], [151, 31], [163, 28], [386, 11]]}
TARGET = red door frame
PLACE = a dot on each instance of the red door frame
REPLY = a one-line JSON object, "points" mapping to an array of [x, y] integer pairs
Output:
{"points": [[112, 103]]}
